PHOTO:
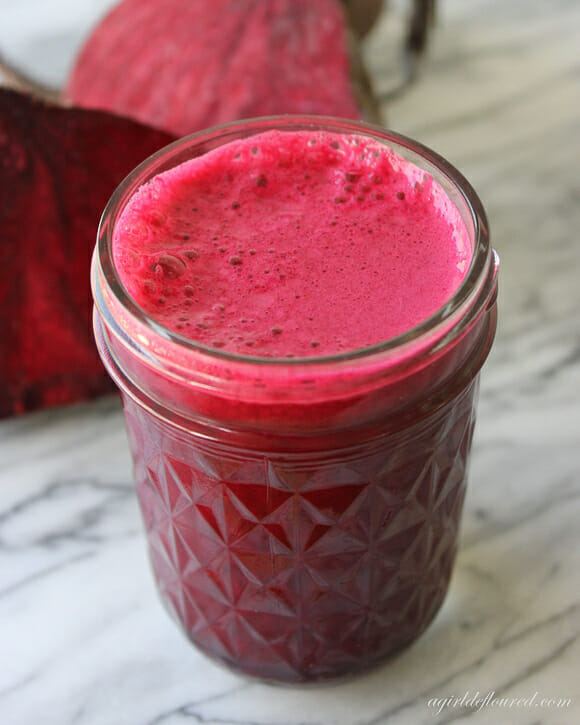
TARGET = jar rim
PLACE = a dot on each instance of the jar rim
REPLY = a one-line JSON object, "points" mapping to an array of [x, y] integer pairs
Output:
{"points": [[472, 295]]}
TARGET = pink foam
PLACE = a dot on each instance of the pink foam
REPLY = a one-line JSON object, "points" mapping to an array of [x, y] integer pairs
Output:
{"points": [[292, 244]]}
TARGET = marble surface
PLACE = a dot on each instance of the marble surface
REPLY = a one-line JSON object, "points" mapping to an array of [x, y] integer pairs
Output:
{"points": [[83, 638]]}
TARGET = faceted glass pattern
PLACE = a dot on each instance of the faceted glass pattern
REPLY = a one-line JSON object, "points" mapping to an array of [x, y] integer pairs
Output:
{"points": [[300, 567]]}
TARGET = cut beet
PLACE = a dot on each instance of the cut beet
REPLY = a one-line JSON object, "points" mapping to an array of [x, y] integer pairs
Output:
{"points": [[184, 65], [58, 167]]}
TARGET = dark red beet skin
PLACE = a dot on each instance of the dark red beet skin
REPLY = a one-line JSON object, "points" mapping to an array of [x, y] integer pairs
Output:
{"points": [[58, 168], [184, 65]]}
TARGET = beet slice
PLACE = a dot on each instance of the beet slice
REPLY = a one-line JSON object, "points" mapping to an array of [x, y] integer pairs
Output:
{"points": [[58, 167], [184, 65]]}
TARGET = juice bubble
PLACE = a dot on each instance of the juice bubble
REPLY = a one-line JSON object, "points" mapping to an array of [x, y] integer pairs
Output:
{"points": [[172, 267]]}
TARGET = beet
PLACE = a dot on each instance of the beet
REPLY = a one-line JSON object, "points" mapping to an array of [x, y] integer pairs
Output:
{"points": [[184, 65], [58, 167]]}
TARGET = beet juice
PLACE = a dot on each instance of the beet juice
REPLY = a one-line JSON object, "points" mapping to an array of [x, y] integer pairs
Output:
{"points": [[296, 311]]}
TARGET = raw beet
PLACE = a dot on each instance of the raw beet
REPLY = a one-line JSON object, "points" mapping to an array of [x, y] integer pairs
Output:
{"points": [[184, 65], [58, 167]]}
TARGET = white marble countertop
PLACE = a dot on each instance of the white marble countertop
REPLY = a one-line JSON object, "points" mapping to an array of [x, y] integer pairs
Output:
{"points": [[83, 638]]}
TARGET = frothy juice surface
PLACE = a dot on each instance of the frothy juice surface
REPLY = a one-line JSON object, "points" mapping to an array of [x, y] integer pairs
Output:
{"points": [[292, 244]]}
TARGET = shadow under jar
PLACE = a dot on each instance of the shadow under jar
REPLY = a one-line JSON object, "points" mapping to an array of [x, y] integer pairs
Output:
{"points": [[302, 514]]}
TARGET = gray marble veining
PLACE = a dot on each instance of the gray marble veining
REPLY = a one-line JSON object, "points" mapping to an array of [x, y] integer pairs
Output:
{"points": [[83, 639]]}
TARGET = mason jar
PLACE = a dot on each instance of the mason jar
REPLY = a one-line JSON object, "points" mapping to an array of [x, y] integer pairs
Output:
{"points": [[301, 514]]}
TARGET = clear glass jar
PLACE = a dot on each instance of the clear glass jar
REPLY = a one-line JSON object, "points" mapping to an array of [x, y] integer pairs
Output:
{"points": [[301, 514]]}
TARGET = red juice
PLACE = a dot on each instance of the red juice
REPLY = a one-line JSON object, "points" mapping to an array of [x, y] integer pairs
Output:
{"points": [[293, 315]]}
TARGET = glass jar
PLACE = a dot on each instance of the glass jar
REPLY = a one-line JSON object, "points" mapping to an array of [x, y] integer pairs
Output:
{"points": [[301, 514]]}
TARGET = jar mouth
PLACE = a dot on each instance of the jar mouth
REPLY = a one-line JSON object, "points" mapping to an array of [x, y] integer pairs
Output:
{"points": [[472, 295]]}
